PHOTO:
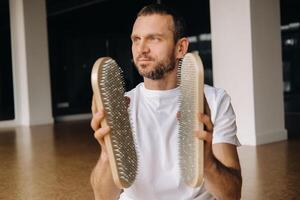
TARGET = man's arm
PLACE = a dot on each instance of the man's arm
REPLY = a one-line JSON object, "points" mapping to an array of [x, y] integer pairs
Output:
{"points": [[222, 170], [101, 177], [102, 182]]}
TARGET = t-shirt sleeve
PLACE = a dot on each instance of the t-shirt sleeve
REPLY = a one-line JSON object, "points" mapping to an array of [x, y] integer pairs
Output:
{"points": [[225, 121]]}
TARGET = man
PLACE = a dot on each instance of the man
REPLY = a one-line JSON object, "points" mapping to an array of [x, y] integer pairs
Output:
{"points": [[158, 43]]}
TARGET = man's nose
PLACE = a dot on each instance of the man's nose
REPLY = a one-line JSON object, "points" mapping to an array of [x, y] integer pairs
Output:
{"points": [[143, 48]]}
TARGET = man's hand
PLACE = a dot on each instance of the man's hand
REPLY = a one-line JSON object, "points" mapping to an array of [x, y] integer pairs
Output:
{"points": [[99, 132], [207, 133], [102, 181], [221, 163]]}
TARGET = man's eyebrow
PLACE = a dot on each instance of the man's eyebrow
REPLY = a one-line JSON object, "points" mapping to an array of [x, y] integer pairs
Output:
{"points": [[133, 36], [148, 35], [156, 34]]}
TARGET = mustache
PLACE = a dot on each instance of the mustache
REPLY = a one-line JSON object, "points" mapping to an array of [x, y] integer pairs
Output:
{"points": [[143, 56]]}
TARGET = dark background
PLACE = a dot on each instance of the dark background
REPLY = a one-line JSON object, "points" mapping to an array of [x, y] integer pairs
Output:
{"points": [[80, 31]]}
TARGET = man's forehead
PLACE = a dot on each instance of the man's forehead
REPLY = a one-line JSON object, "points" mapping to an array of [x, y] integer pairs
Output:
{"points": [[154, 21]]}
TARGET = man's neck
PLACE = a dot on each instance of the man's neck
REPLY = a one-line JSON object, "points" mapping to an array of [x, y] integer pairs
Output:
{"points": [[169, 81]]}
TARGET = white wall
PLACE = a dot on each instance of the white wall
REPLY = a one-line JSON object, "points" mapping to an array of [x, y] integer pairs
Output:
{"points": [[267, 65], [247, 64], [31, 76]]}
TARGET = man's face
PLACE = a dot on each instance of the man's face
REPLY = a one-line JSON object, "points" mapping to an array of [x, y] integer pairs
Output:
{"points": [[153, 45]]}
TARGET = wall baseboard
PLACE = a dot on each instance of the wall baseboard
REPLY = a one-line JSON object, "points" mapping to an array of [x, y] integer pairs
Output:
{"points": [[73, 117], [8, 124]]}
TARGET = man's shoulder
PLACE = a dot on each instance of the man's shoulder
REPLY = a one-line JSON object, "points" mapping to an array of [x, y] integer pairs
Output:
{"points": [[131, 92], [214, 93]]}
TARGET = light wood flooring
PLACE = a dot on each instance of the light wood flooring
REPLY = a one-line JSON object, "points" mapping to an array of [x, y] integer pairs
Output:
{"points": [[55, 161]]}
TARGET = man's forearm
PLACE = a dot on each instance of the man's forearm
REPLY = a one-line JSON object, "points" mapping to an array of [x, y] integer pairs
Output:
{"points": [[223, 182], [102, 182]]}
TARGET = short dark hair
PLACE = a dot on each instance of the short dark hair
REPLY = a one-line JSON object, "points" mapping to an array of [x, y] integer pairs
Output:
{"points": [[179, 23]]}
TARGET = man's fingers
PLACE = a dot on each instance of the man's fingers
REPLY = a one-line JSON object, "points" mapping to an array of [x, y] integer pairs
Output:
{"points": [[203, 135], [101, 132], [205, 119], [127, 101], [96, 120], [93, 108], [206, 107], [178, 115]]}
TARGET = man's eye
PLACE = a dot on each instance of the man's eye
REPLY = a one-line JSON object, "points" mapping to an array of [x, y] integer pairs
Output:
{"points": [[155, 38], [135, 39]]}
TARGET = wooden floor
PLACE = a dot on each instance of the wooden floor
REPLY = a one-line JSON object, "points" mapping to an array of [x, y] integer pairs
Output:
{"points": [[54, 162]]}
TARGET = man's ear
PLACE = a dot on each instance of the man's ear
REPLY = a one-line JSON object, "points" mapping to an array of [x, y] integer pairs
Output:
{"points": [[182, 46]]}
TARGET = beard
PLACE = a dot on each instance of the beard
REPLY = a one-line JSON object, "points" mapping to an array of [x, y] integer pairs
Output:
{"points": [[160, 68]]}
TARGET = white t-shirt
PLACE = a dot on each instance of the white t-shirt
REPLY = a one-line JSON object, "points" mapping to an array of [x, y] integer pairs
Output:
{"points": [[153, 114]]}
